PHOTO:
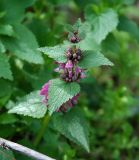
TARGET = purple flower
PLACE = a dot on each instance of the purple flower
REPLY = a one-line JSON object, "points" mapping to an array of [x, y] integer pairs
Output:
{"points": [[82, 75], [70, 74], [75, 99], [60, 67], [69, 64], [78, 70], [44, 90]]}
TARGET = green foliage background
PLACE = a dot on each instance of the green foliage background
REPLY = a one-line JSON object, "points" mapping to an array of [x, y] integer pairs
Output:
{"points": [[108, 108]]}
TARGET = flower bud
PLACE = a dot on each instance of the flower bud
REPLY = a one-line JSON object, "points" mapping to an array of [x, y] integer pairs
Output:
{"points": [[73, 39]]}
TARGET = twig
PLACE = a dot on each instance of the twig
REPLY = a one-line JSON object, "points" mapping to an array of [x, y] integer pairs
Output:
{"points": [[23, 150]]}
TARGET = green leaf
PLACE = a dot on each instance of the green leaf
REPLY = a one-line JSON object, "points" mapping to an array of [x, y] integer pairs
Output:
{"points": [[7, 118], [60, 92], [5, 88], [31, 105], [77, 25], [56, 52], [14, 10], [103, 24], [5, 71], [24, 45], [88, 44], [2, 47], [6, 30], [93, 59], [73, 126], [84, 30], [110, 44], [129, 26], [6, 154]]}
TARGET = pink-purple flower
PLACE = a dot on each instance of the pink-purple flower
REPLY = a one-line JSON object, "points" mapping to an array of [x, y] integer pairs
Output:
{"points": [[69, 72], [69, 64], [44, 92]]}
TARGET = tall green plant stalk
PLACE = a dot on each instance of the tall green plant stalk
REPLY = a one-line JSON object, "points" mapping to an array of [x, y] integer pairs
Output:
{"points": [[42, 130]]}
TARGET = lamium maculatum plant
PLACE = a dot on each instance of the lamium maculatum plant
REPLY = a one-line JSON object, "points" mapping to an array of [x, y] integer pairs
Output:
{"points": [[59, 94], [73, 60], [74, 57]]}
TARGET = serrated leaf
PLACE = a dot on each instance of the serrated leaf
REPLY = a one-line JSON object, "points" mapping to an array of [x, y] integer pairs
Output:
{"points": [[129, 26], [84, 30], [5, 70], [56, 52], [77, 25], [88, 44], [6, 154], [93, 59], [6, 30], [32, 105], [73, 126], [67, 27], [103, 24], [60, 92], [24, 45]]}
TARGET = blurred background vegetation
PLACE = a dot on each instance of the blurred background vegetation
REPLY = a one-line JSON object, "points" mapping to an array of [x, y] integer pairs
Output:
{"points": [[109, 99]]}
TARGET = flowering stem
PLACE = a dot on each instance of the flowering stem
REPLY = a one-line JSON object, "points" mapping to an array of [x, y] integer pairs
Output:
{"points": [[42, 130]]}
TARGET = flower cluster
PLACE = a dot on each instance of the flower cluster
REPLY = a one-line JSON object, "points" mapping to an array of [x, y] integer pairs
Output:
{"points": [[74, 54], [69, 72]]}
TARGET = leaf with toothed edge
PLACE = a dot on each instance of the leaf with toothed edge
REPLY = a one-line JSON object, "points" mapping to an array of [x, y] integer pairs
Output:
{"points": [[93, 59], [56, 52], [31, 105], [103, 24], [60, 92], [24, 45], [75, 127]]}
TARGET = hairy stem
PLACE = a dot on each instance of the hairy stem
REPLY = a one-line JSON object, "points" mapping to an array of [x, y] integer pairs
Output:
{"points": [[24, 150], [42, 130]]}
